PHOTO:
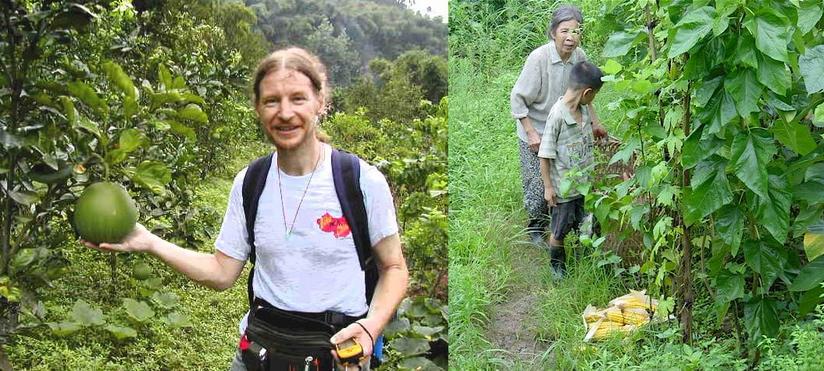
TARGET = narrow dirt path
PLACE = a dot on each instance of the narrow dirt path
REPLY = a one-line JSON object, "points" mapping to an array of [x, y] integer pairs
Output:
{"points": [[513, 322]]}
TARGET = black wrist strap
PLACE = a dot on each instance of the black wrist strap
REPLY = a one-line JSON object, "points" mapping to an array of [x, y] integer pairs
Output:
{"points": [[367, 333]]}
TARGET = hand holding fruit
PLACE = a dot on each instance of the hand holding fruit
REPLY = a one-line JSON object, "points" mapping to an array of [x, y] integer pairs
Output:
{"points": [[140, 239], [106, 219]]}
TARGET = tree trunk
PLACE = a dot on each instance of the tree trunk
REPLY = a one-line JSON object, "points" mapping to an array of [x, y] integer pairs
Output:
{"points": [[5, 365], [684, 281]]}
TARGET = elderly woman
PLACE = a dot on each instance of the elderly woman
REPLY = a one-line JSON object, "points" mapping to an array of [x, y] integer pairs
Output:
{"points": [[543, 80]]}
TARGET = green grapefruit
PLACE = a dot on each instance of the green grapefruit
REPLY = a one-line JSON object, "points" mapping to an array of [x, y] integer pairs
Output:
{"points": [[105, 213]]}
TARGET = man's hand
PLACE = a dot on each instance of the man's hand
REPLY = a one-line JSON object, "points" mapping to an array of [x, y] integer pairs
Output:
{"points": [[598, 131], [365, 340], [549, 196], [140, 239], [533, 140]]}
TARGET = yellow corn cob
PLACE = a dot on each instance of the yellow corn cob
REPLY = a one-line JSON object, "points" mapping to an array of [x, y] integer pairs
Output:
{"points": [[635, 316], [606, 328], [636, 301], [592, 314], [614, 314]]}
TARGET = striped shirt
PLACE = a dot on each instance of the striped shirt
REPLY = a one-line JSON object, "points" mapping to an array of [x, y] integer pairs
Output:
{"points": [[569, 144]]}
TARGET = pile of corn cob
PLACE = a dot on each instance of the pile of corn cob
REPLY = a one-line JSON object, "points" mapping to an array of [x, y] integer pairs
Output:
{"points": [[623, 314]]}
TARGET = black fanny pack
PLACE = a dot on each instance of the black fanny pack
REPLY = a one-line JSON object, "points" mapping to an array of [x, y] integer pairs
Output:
{"points": [[286, 340]]}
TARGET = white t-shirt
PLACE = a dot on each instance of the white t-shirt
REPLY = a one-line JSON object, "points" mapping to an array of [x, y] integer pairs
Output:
{"points": [[317, 268]]}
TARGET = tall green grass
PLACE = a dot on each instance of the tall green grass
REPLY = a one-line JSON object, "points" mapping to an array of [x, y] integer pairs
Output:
{"points": [[488, 45], [484, 189]]}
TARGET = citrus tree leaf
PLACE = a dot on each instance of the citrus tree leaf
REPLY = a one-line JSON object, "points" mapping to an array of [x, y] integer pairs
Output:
{"points": [[87, 95], [153, 175], [9, 140], [760, 318], [130, 107], [750, 154], [25, 198], [138, 310], [410, 346], [811, 63], [131, 139], [159, 99], [164, 76], [120, 79], [22, 258], [121, 332], [690, 29], [84, 123], [193, 98], [193, 112], [69, 110], [75, 16], [182, 130], [810, 276], [86, 315], [178, 83]]}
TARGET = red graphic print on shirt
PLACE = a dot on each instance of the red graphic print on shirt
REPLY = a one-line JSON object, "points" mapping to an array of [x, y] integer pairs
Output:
{"points": [[337, 226]]}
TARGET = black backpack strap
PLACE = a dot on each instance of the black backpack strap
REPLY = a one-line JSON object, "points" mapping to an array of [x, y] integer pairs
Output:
{"points": [[346, 175], [253, 183]]}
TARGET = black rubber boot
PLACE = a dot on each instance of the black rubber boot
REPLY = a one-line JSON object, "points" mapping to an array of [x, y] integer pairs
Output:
{"points": [[557, 258]]}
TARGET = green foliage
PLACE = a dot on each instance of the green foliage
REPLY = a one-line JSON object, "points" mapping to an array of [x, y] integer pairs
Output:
{"points": [[746, 127], [348, 34], [802, 351], [397, 89], [419, 335], [413, 157], [717, 114]]}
